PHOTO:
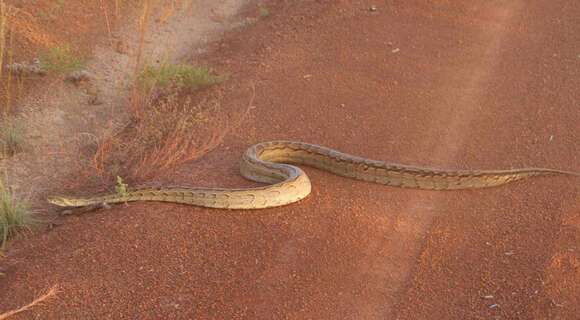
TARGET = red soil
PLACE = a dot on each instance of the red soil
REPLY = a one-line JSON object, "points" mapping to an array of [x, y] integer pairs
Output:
{"points": [[473, 85]]}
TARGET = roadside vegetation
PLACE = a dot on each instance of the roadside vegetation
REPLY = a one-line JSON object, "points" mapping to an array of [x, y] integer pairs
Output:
{"points": [[171, 123], [177, 76], [60, 60], [11, 133], [11, 137], [169, 129], [264, 11], [172, 120], [15, 214]]}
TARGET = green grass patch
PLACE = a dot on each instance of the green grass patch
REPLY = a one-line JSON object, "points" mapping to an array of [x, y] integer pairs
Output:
{"points": [[264, 12], [178, 75], [60, 60], [11, 137], [15, 214]]}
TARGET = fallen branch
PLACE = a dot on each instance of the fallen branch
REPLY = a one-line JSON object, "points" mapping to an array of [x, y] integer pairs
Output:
{"points": [[51, 293]]}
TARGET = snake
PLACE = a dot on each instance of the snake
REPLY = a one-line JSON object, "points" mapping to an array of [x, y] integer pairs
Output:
{"points": [[273, 163]]}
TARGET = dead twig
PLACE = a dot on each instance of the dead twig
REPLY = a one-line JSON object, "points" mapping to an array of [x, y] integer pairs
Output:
{"points": [[49, 294]]}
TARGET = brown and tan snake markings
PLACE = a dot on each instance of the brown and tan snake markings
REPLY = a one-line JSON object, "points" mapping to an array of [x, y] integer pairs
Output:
{"points": [[271, 163]]}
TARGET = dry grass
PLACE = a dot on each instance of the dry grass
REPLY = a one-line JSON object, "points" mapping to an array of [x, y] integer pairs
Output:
{"points": [[107, 21], [117, 9], [5, 48], [137, 95], [3, 24], [52, 292], [168, 127], [11, 137], [173, 130]]}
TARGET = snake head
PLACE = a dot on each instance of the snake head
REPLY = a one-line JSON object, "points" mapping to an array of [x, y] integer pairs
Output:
{"points": [[60, 201]]}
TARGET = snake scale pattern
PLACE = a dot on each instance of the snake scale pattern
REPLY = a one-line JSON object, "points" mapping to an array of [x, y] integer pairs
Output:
{"points": [[271, 163]]}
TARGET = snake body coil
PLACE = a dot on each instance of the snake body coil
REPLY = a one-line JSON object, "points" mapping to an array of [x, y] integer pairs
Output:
{"points": [[270, 162]]}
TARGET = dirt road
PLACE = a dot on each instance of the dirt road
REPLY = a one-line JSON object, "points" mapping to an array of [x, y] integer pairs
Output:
{"points": [[476, 85]]}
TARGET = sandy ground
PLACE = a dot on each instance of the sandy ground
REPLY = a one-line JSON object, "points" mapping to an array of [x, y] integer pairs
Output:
{"points": [[473, 86]]}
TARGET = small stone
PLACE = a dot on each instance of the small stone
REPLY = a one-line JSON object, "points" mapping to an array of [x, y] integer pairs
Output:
{"points": [[373, 8], [121, 47], [79, 76], [559, 305], [94, 100], [26, 68], [395, 50]]}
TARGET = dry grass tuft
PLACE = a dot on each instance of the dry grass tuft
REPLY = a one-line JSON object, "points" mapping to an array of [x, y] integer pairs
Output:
{"points": [[173, 130], [43, 298], [11, 137]]}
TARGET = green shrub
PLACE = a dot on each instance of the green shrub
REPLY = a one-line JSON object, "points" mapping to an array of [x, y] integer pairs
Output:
{"points": [[60, 60], [14, 214], [178, 75], [264, 12]]}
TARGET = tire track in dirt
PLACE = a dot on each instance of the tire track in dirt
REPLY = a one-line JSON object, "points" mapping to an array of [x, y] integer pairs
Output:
{"points": [[465, 258], [456, 106]]}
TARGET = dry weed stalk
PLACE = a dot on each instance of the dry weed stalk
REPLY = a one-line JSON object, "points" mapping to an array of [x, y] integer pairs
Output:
{"points": [[3, 23], [43, 298], [8, 105], [98, 161], [5, 13], [167, 12], [117, 9], [107, 21], [137, 93]]}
